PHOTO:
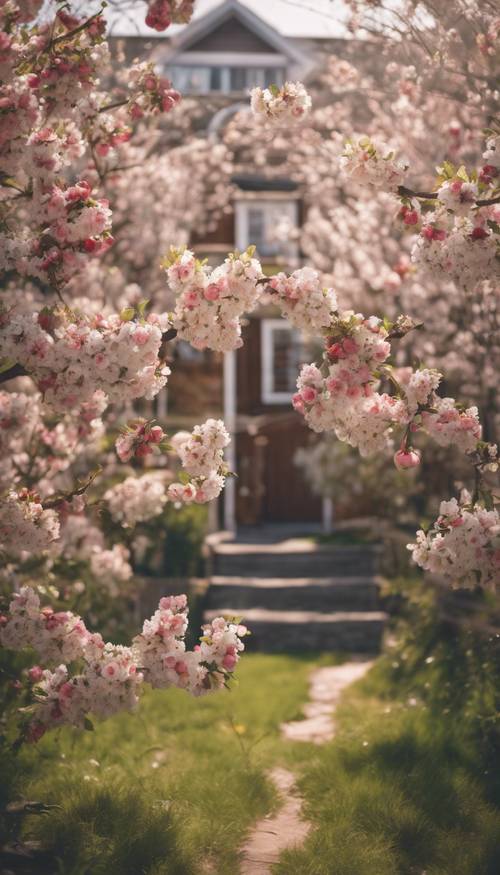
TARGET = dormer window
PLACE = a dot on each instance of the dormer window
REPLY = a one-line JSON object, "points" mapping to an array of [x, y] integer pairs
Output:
{"points": [[222, 78]]}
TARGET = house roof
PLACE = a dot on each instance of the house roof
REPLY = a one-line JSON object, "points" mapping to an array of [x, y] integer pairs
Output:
{"points": [[294, 19]]}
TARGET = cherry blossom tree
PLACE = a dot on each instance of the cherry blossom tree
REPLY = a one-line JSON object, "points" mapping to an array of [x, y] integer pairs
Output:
{"points": [[84, 359], [70, 147]]}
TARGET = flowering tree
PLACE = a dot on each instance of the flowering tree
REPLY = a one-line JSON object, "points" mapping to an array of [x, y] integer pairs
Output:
{"points": [[66, 140], [386, 93], [81, 362]]}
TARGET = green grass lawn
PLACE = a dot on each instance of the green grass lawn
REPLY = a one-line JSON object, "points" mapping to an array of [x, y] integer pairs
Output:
{"points": [[402, 790], [172, 790]]}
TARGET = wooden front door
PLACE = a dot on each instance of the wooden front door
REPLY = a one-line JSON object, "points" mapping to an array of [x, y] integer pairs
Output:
{"points": [[270, 487], [287, 496]]}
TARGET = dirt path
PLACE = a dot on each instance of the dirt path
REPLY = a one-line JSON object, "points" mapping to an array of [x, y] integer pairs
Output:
{"points": [[286, 828]]}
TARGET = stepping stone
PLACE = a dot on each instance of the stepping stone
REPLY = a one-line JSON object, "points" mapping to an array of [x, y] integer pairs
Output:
{"points": [[326, 687], [273, 834]]}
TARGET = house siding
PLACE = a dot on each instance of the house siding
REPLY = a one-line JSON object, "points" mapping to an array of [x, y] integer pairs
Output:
{"points": [[231, 36]]}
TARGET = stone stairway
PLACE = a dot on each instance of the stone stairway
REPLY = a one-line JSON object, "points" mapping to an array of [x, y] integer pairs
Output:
{"points": [[297, 595]]}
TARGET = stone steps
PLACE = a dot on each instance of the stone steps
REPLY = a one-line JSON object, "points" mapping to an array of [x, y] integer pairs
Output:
{"points": [[295, 558], [278, 631], [295, 593]]}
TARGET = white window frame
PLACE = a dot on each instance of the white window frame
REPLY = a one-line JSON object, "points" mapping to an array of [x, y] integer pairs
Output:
{"points": [[242, 208], [225, 61], [267, 329]]}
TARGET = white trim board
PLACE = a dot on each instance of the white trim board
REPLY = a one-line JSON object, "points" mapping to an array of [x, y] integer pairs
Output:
{"points": [[228, 59]]}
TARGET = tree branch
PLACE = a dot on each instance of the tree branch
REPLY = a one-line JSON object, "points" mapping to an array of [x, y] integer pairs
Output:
{"points": [[54, 500], [12, 373], [432, 195]]}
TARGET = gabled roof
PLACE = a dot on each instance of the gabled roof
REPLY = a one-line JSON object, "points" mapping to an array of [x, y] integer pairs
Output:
{"points": [[234, 9], [295, 19]]}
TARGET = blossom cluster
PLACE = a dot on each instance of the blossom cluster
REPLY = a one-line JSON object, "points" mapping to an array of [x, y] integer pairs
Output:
{"points": [[55, 113], [160, 650], [303, 299], [210, 303], [449, 426], [343, 395], [203, 475], [70, 227], [290, 103], [462, 546], [138, 439], [56, 636], [83, 542], [72, 357], [458, 223], [136, 499], [25, 526], [152, 94], [462, 248], [201, 454], [162, 13], [111, 676], [374, 164]]}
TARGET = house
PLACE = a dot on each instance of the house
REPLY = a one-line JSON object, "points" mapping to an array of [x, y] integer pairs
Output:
{"points": [[227, 48]]}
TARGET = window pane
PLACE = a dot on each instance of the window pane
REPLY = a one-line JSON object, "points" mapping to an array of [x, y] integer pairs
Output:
{"points": [[215, 79], [274, 76], [191, 80], [238, 79], [256, 228], [287, 356]]}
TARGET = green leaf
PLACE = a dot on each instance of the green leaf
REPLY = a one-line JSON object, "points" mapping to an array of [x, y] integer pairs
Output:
{"points": [[127, 314], [88, 725], [184, 477], [462, 173], [447, 170], [6, 364], [141, 306]]}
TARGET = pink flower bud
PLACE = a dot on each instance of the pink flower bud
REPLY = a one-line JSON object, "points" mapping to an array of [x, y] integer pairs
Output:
{"points": [[143, 450], [308, 394], [156, 434], [479, 233], [411, 217], [211, 293], [407, 458], [350, 346], [229, 661], [181, 667], [488, 173], [335, 351], [35, 674]]}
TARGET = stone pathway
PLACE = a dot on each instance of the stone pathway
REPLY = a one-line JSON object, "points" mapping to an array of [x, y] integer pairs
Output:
{"points": [[273, 834], [326, 687], [286, 828]]}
